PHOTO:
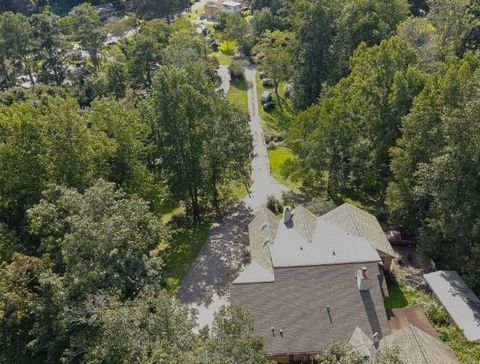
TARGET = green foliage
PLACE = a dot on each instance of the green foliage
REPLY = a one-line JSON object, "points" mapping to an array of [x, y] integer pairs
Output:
{"points": [[338, 352], [433, 189], [237, 68], [344, 141], [274, 204], [150, 9], [201, 139]]}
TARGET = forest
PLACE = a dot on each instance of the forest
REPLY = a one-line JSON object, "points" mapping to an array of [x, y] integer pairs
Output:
{"points": [[107, 125]]}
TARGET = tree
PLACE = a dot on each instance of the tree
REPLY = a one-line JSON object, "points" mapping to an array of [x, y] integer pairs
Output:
{"points": [[50, 47], [199, 139], [434, 169], [314, 24], [144, 52], [368, 21], [159, 330], [338, 352], [238, 29], [150, 9], [15, 43], [86, 29], [452, 21], [275, 50], [349, 133], [98, 240], [233, 339], [20, 303]]}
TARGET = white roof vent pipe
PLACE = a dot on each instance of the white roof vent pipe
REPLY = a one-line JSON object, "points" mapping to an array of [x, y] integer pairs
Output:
{"points": [[287, 214]]}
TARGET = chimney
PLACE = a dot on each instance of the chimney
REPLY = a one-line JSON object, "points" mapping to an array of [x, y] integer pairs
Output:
{"points": [[287, 214], [362, 279]]}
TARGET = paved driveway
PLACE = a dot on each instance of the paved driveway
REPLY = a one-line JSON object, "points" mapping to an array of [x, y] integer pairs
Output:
{"points": [[206, 285]]}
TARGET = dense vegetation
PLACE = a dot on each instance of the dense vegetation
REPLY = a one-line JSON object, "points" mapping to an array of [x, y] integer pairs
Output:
{"points": [[104, 135], [386, 105], [116, 122]]}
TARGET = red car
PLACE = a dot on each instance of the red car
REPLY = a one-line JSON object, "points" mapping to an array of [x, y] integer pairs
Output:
{"points": [[397, 237]]}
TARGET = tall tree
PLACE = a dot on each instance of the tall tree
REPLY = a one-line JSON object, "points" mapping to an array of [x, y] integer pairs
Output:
{"points": [[275, 50], [150, 9], [349, 133], [50, 47], [86, 29], [15, 44], [182, 112], [435, 168]]}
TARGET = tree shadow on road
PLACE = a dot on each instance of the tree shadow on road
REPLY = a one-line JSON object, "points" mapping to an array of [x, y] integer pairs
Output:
{"points": [[220, 259]]}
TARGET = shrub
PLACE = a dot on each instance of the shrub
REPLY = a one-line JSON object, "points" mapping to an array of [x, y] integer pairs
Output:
{"points": [[274, 204], [237, 68]]}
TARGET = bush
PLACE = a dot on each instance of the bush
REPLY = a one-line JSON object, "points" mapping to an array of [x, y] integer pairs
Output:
{"points": [[237, 68], [274, 204], [320, 205]]}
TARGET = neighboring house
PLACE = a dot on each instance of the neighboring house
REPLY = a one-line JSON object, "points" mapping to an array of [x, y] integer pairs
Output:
{"points": [[214, 8], [312, 279]]}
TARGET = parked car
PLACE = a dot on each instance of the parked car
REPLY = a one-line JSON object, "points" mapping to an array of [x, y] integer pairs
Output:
{"points": [[401, 237], [263, 74], [269, 106], [266, 97], [267, 82]]}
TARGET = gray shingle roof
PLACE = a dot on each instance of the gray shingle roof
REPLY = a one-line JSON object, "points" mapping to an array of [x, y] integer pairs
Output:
{"points": [[261, 232], [418, 347], [297, 301], [358, 222]]}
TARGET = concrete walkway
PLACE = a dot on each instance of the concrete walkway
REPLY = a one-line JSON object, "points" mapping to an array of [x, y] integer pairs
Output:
{"points": [[206, 285]]}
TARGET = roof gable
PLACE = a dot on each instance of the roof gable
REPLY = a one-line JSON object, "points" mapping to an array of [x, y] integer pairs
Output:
{"points": [[360, 223], [418, 347]]}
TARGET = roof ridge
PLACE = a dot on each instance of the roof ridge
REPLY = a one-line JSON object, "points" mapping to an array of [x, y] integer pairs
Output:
{"points": [[353, 219], [420, 345], [270, 236], [309, 238]]}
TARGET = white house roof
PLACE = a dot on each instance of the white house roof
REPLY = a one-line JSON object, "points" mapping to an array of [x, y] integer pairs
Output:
{"points": [[458, 299], [360, 223], [327, 245], [231, 3]]}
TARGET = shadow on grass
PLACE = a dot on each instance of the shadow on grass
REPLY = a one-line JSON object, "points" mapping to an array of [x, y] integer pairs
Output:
{"points": [[396, 298], [279, 120], [186, 241]]}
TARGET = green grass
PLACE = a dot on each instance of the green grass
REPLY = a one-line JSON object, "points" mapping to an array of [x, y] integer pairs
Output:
{"points": [[397, 298], [278, 157], [186, 241], [222, 57], [195, 15], [276, 122], [237, 94]]}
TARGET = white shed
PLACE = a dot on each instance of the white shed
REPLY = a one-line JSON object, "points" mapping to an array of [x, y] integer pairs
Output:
{"points": [[458, 299]]}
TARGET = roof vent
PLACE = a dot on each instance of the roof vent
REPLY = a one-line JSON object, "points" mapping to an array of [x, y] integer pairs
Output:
{"points": [[287, 214]]}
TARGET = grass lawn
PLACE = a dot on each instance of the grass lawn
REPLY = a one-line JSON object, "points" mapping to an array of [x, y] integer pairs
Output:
{"points": [[277, 121], [222, 57], [398, 298], [195, 14], [278, 157], [186, 241], [237, 94]]}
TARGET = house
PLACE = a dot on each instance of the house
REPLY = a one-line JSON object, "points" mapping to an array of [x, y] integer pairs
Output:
{"points": [[312, 279], [459, 300], [232, 6]]}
